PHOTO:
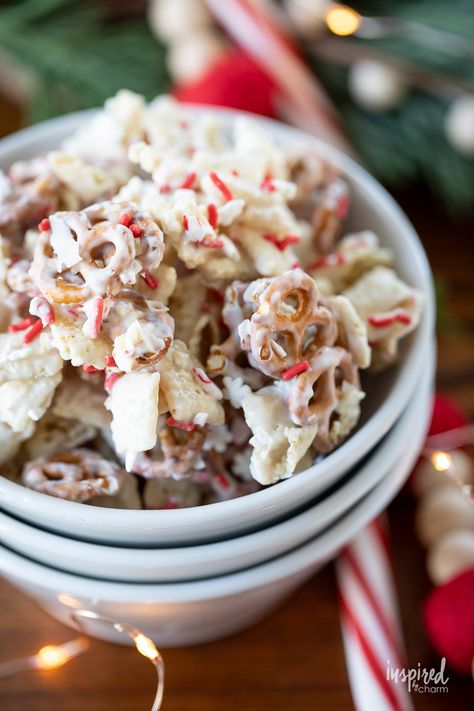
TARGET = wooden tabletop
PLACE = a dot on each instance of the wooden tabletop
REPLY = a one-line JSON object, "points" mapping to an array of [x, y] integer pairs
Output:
{"points": [[292, 661]]}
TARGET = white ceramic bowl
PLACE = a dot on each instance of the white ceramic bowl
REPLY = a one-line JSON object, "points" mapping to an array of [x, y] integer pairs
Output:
{"points": [[194, 612], [373, 208], [190, 563]]}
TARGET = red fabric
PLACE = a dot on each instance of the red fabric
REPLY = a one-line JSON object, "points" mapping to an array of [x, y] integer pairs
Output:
{"points": [[449, 620], [233, 81], [446, 415]]}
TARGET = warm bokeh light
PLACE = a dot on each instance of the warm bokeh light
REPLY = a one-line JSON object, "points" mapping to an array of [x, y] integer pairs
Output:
{"points": [[342, 20], [68, 600], [146, 647], [50, 657], [441, 461]]}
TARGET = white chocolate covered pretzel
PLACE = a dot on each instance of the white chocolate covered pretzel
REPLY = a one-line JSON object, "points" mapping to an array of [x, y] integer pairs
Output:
{"points": [[77, 475], [289, 323], [316, 394]]}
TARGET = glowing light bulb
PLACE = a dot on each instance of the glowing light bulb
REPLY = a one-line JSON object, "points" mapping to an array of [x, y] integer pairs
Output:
{"points": [[342, 20], [441, 461], [50, 657], [146, 646]]}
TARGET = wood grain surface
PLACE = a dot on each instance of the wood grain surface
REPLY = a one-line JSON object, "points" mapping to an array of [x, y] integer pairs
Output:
{"points": [[292, 661]]}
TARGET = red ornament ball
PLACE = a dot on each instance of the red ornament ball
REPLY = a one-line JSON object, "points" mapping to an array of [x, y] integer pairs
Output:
{"points": [[446, 415], [449, 621], [234, 81]]}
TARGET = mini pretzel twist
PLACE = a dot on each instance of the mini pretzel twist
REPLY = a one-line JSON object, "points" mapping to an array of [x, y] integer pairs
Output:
{"points": [[322, 198], [147, 236], [107, 251], [235, 310], [315, 393], [130, 305], [329, 214], [309, 172], [114, 242], [181, 452], [66, 287], [34, 194], [281, 334], [77, 475], [18, 278]]}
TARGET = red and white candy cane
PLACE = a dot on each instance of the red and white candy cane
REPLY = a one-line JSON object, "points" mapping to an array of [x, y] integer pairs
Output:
{"points": [[255, 26], [370, 624]]}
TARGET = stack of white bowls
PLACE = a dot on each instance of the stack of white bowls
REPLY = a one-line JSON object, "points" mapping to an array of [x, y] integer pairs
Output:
{"points": [[191, 575]]}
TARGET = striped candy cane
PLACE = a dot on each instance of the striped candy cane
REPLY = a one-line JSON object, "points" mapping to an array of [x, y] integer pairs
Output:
{"points": [[256, 28], [370, 624]]}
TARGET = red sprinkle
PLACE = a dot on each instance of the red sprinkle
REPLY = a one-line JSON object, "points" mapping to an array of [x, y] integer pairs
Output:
{"points": [[185, 222], [342, 207], [212, 215], [44, 225], [296, 265], [135, 230], [109, 362], [187, 426], [289, 239], [383, 322], [150, 280], [296, 369], [267, 184], [165, 188], [211, 243], [98, 315], [33, 331], [329, 260], [220, 185], [198, 372], [126, 219], [188, 181], [91, 369], [283, 243], [21, 325], [222, 481], [235, 172], [273, 239], [110, 381]]}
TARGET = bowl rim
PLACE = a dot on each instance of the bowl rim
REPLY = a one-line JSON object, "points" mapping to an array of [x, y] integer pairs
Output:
{"points": [[368, 434], [320, 548], [361, 483]]}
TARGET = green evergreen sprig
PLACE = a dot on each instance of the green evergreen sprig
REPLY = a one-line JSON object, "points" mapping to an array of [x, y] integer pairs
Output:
{"points": [[77, 58]]}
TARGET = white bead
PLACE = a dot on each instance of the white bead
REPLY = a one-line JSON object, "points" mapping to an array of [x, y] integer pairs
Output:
{"points": [[307, 16], [375, 86], [450, 556], [426, 477], [190, 58], [443, 509], [171, 19], [459, 125]]}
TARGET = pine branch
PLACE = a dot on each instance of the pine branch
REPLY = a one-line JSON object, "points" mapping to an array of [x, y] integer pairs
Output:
{"points": [[79, 60], [407, 144]]}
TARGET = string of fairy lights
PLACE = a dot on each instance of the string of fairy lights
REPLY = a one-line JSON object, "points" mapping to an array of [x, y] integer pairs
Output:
{"points": [[53, 656]]}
